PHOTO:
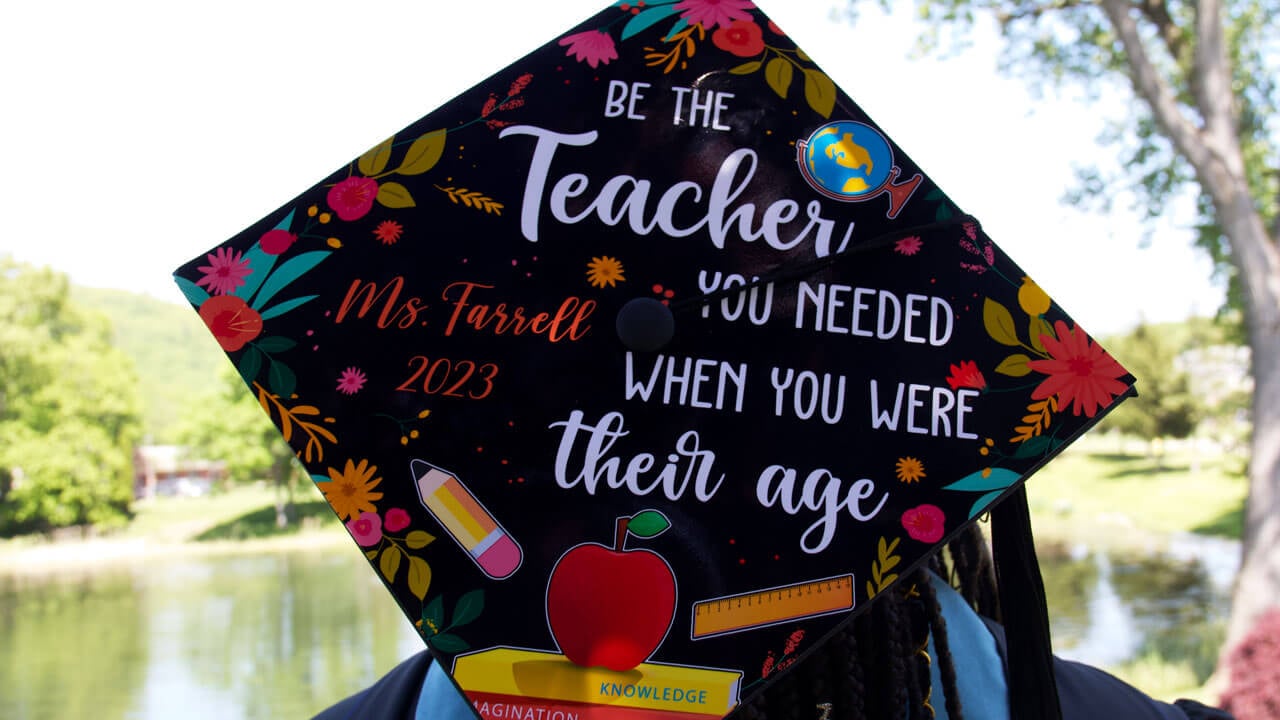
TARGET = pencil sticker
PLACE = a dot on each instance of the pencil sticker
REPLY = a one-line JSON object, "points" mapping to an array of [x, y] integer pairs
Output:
{"points": [[486, 542], [771, 606]]}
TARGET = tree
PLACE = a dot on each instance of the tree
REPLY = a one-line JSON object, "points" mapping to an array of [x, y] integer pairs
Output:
{"points": [[230, 426], [69, 410], [1165, 406], [1203, 77]]}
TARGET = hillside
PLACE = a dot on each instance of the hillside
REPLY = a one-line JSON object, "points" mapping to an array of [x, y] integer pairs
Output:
{"points": [[175, 355]]}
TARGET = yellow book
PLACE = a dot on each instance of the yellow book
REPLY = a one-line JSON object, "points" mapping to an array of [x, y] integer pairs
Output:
{"points": [[653, 686]]}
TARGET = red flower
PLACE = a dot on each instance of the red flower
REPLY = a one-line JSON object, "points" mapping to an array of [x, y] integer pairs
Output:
{"points": [[925, 523], [966, 374], [274, 242], [742, 38], [1081, 373], [231, 320], [397, 520], [353, 198], [366, 529], [592, 47], [388, 231]]}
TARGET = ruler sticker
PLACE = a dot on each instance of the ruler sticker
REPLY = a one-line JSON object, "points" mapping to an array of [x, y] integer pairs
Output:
{"points": [[772, 606]]}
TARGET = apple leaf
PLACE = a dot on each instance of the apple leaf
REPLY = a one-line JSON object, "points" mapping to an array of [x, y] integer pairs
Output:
{"points": [[648, 524], [469, 607], [448, 642]]}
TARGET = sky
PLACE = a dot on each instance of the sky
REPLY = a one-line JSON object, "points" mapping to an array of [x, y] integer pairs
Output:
{"points": [[139, 134]]}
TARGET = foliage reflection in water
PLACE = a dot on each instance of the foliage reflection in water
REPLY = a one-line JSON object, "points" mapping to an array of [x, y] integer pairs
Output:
{"points": [[286, 634]]}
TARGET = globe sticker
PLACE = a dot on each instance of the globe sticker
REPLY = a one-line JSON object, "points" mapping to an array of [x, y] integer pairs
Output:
{"points": [[851, 161], [641, 367]]}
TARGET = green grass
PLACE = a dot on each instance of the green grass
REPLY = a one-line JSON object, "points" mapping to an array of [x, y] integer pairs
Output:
{"points": [[1110, 492]]}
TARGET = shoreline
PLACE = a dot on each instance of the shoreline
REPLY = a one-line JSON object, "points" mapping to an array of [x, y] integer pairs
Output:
{"points": [[53, 557]]}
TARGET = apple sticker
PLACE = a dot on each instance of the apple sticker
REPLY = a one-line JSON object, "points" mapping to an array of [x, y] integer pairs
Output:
{"points": [[609, 606]]}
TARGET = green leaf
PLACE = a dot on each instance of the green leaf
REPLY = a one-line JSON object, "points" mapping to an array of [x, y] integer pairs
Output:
{"points": [[423, 154], [433, 615], [287, 273], [469, 607], [195, 294], [943, 214], [1014, 366], [284, 307], [647, 19], [994, 479], [419, 539], [999, 323], [648, 524], [746, 68], [389, 563], [778, 73], [419, 576], [281, 379], [981, 504], [819, 92], [375, 160], [448, 642], [1034, 447], [1036, 328], [275, 344], [394, 195], [250, 365]]}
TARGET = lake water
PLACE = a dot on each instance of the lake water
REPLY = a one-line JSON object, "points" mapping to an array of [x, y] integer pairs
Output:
{"points": [[285, 634]]}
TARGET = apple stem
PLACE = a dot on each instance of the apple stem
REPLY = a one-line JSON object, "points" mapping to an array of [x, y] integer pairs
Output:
{"points": [[620, 533]]}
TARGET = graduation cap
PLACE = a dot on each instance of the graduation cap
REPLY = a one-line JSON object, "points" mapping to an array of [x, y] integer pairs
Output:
{"points": [[644, 353]]}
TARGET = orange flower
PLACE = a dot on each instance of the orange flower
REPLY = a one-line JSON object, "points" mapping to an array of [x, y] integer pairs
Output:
{"points": [[1080, 372], [350, 492], [231, 320]]}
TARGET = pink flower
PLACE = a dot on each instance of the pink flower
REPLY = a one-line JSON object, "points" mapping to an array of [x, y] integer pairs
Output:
{"points": [[274, 242], [593, 47], [353, 198], [231, 320], [714, 13], [925, 523], [351, 380], [743, 38], [397, 520], [908, 245], [966, 374], [225, 272], [1081, 373], [366, 529]]}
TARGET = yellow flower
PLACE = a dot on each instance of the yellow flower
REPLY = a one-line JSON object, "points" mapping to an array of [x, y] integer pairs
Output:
{"points": [[350, 492], [909, 469], [603, 271], [1033, 301]]}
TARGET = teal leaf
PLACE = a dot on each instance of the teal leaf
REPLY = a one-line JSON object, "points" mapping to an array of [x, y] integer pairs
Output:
{"points": [[284, 307], [943, 214], [275, 344], [996, 479], [448, 642], [260, 264], [1034, 447], [678, 27], [281, 379], [647, 19], [469, 607], [287, 273], [433, 615], [196, 295], [286, 222], [981, 504], [648, 524], [250, 364], [320, 479]]}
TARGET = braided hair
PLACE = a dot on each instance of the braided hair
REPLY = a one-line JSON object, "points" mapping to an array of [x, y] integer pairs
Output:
{"points": [[877, 666]]}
